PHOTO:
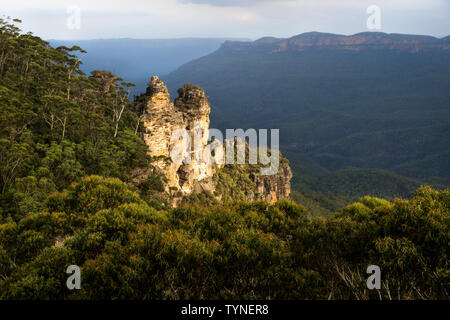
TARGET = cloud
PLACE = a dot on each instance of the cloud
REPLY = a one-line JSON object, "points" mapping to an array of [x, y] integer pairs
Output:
{"points": [[225, 18], [227, 3]]}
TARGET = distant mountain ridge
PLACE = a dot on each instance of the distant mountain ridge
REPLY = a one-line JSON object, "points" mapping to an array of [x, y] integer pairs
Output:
{"points": [[356, 42]]}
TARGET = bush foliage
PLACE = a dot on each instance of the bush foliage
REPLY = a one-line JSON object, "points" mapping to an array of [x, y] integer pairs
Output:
{"points": [[129, 250]]}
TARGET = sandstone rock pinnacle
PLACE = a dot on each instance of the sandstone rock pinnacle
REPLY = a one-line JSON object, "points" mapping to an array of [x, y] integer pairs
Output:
{"points": [[190, 111], [162, 117], [156, 86]]}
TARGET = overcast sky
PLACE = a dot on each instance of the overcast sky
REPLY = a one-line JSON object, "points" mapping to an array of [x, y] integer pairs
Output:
{"points": [[223, 18]]}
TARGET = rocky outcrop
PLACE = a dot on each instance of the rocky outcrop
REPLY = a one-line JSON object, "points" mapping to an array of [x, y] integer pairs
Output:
{"points": [[272, 188], [161, 118], [190, 111]]}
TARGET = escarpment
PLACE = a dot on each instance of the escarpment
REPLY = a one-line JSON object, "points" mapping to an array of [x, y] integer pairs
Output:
{"points": [[181, 127], [364, 41]]}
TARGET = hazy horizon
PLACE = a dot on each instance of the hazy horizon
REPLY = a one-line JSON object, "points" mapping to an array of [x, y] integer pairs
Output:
{"points": [[239, 38], [249, 19]]}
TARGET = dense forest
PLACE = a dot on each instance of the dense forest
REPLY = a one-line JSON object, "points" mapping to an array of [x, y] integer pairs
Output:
{"points": [[69, 145], [58, 124]]}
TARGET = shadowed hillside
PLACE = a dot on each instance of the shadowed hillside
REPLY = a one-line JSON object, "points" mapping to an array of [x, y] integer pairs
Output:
{"points": [[371, 100]]}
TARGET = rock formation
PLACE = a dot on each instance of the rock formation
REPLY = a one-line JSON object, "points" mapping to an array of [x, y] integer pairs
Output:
{"points": [[190, 111], [272, 188], [161, 118]]}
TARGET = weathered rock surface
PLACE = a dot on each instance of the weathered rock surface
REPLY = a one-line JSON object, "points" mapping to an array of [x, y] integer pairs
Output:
{"points": [[162, 117], [190, 111], [272, 188]]}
